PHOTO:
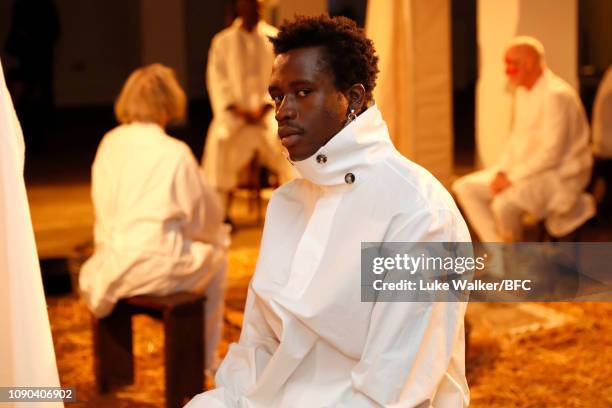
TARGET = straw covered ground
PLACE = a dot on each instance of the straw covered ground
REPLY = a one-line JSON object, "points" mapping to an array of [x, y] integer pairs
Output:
{"points": [[568, 365]]}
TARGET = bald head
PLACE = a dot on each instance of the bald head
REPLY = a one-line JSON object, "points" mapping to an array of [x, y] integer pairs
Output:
{"points": [[524, 60]]}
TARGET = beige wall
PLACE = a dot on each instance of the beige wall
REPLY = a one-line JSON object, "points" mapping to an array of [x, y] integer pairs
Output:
{"points": [[286, 9], [412, 38]]}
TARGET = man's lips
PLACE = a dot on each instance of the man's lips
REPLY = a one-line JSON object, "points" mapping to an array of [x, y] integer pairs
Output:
{"points": [[289, 135]]}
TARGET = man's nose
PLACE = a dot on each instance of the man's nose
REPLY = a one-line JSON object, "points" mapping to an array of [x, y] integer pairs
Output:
{"points": [[286, 110]]}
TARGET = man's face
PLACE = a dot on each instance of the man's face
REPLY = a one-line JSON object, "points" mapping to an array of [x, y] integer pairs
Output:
{"points": [[519, 66], [309, 109], [249, 10]]}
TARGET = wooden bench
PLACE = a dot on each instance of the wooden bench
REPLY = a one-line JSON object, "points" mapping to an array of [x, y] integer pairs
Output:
{"points": [[183, 318]]}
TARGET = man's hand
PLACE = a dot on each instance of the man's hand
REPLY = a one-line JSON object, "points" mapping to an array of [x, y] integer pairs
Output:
{"points": [[257, 116], [500, 183]]}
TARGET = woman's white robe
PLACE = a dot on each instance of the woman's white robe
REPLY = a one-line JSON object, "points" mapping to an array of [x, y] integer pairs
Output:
{"points": [[158, 228]]}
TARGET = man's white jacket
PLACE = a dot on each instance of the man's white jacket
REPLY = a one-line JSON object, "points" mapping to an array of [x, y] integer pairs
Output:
{"points": [[238, 73], [307, 339], [550, 136]]}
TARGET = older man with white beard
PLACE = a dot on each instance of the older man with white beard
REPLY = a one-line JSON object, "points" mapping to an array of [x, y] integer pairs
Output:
{"points": [[547, 162]]}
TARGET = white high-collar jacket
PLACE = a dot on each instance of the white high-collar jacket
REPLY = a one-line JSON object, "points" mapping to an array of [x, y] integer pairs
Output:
{"points": [[307, 339]]}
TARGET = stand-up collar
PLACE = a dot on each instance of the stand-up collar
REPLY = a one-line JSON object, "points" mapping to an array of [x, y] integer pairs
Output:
{"points": [[343, 159]]}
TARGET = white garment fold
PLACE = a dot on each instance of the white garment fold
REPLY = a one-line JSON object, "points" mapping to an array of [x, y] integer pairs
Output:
{"points": [[602, 117], [27, 358]]}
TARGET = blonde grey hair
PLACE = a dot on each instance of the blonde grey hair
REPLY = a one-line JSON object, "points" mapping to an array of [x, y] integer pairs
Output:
{"points": [[151, 94], [532, 44]]}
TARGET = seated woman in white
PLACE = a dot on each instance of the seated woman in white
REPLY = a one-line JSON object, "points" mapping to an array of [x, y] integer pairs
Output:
{"points": [[158, 227]]}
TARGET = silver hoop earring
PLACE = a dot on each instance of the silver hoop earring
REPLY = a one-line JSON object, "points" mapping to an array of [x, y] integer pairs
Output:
{"points": [[350, 117]]}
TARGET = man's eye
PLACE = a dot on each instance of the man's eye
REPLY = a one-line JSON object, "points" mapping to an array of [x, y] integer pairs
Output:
{"points": [[303, 92], [277, 99]]}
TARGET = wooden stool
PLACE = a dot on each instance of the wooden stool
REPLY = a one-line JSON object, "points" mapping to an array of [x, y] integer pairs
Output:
{"points": [[183, 318]]}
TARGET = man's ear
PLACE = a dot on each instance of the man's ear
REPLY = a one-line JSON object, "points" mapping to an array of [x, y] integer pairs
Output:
{"points": [[356, 96]]}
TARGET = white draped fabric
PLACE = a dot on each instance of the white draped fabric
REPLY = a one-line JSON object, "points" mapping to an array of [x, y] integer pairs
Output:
{"points": [[414, 86], [27, 358], [602, 118]]}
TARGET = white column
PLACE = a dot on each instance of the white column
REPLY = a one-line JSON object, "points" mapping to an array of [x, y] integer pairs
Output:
{"points": [[412, 38], [163, 35], [554, 23]]}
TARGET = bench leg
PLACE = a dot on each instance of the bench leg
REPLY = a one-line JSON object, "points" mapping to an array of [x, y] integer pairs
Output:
{"points": [[184, 342], [113, 359]]}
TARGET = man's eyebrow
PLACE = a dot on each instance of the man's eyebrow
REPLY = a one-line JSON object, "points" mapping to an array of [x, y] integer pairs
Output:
{"points": [[300, 82]]}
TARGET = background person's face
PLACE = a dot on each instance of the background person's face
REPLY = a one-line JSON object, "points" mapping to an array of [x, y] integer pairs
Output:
{"points": [[249, 10], [519, 66], [309, 109]]}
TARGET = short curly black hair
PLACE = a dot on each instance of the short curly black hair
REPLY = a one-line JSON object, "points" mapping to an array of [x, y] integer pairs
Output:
{"points": [[350, 55]]}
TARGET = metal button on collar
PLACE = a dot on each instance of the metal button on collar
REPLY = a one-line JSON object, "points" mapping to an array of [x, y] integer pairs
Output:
{"points": [[321, 158], [349, 178]]}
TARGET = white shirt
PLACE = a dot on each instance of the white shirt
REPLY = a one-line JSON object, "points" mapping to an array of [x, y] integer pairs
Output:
{"points": [[239, 67], [549, 132], [602, 117], [550, 138], [238, 73], [158, 228], [307, 339]]}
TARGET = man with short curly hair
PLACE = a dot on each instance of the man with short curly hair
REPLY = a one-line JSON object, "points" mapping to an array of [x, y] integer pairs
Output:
{"points": [[307, 338]]}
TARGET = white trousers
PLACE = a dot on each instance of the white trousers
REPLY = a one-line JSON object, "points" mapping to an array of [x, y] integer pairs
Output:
{"points": [[498, 218], [230, 148]]}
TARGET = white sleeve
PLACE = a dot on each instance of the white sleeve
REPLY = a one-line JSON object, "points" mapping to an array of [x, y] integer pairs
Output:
{"points": [[552, 143], [198, 202], [218, 83], [507, 157], [246, 359], [410, 344]]}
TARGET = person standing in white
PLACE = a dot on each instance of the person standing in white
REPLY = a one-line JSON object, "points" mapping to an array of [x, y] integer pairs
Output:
{"points": [[307, 339], [158, 228], [547, 162], [239, 65]]}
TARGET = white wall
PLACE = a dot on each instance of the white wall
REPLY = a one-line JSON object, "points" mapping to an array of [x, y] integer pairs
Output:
{"points": [[554, 22]]}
